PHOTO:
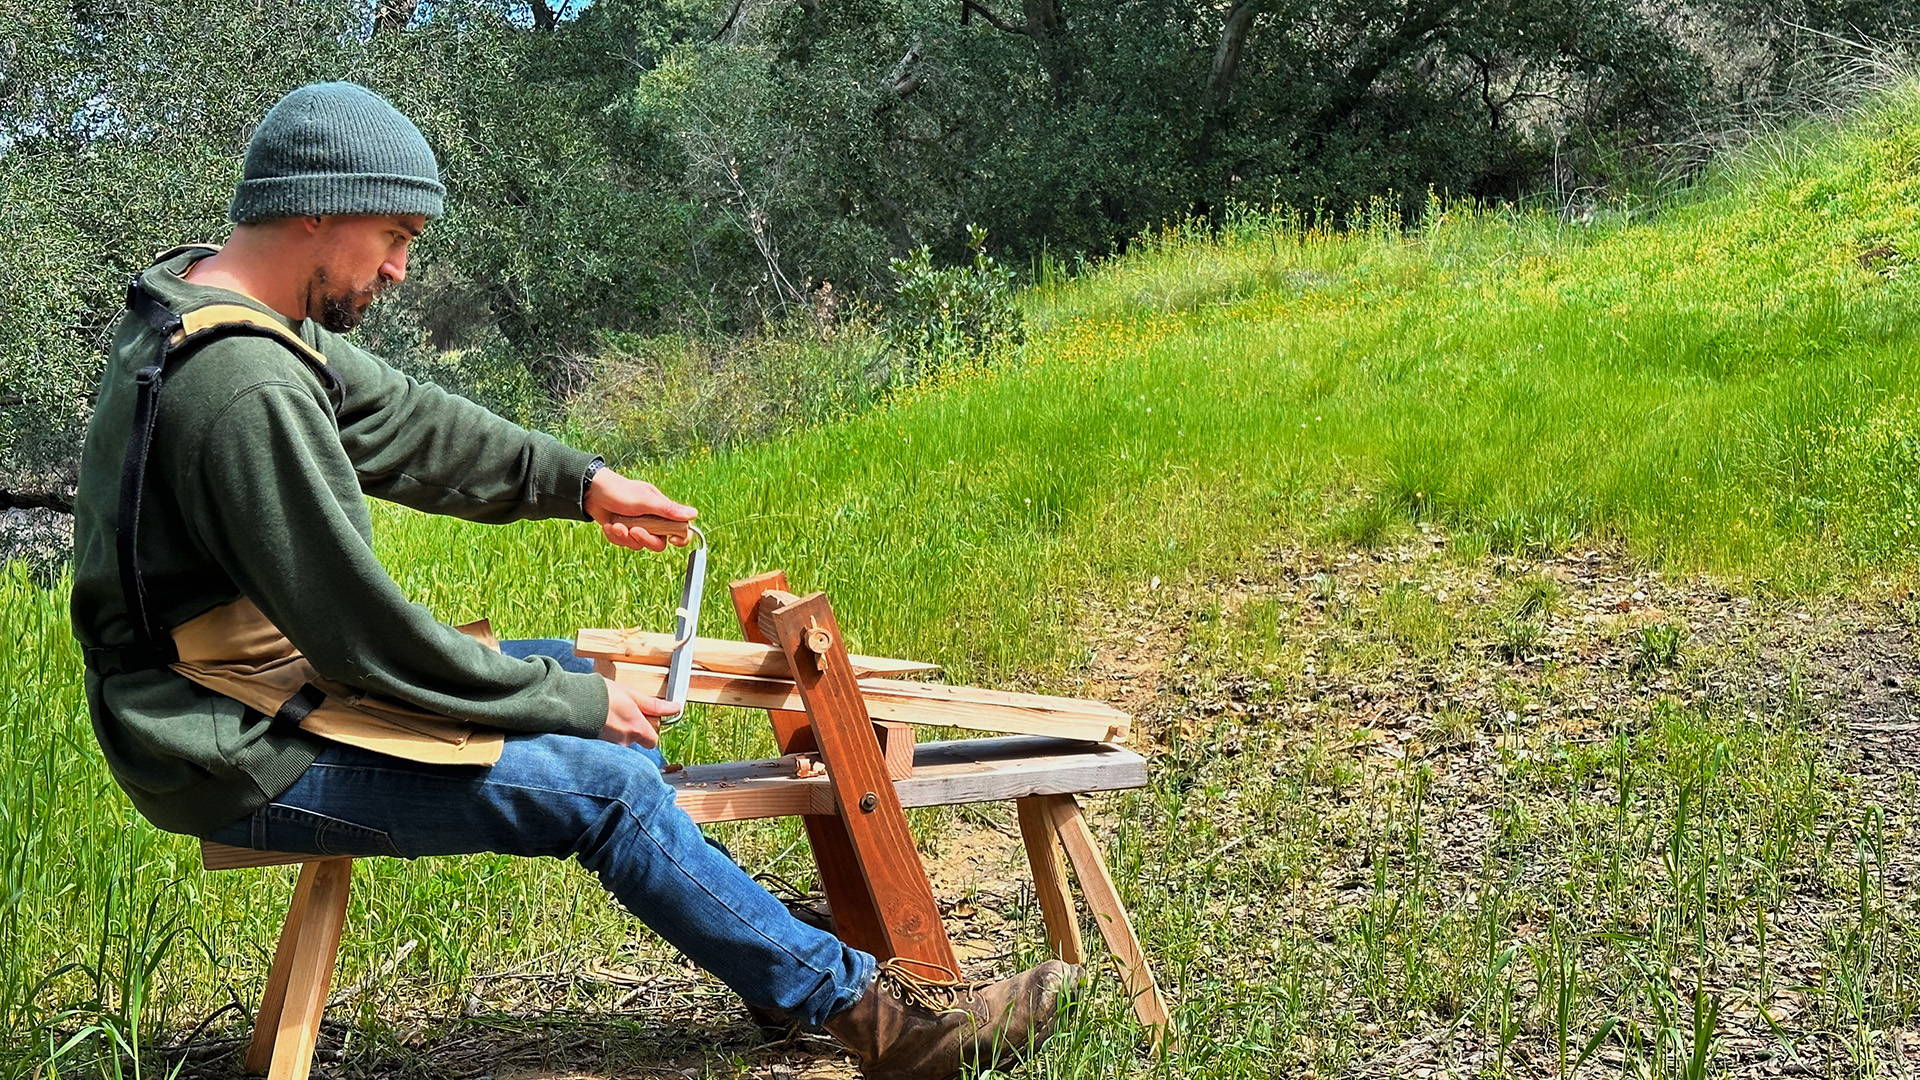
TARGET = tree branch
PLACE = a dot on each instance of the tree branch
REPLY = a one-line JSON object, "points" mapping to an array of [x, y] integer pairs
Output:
{"points": [[731, 17], [37, 500], [905, 80], [968, 7], [1419, 29]]}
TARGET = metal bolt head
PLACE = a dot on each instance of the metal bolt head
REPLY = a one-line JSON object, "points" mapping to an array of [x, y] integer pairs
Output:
{"points": [[869, 802]]}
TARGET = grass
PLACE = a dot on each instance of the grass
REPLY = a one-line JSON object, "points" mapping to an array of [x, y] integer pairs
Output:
{"points": [[1724, 387], [1632, 879]]}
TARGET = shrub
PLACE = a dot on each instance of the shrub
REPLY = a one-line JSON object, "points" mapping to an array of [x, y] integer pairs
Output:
{"points": [[942, 317]]}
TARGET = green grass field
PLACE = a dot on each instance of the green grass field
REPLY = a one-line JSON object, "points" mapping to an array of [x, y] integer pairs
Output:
{"points": [[1724, 387]]}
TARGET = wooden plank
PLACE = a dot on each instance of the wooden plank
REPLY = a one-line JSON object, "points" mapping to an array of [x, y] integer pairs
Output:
{"points": [[944, 774], [224, 857], [1096, 884], [869, 809], [1050, 878], [856, 920], [721, 654], [928, 704], [316, 947], [1008, 699]]}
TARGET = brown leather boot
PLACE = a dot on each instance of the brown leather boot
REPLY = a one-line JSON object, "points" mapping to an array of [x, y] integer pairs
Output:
{"points": [[910, 1026]]}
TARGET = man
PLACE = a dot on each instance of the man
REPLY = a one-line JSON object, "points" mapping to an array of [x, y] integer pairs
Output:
{"points": [[222, 541]]}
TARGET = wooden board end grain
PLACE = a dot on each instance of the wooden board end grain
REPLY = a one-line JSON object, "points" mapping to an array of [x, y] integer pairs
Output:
{"points": [[896, 747]]}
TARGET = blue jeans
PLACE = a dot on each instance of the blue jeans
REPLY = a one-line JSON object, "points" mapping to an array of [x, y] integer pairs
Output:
{"points": [[560, 796]]}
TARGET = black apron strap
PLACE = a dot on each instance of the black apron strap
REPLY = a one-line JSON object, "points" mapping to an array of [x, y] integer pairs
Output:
{"points": [[152, 640], [296, 708]]}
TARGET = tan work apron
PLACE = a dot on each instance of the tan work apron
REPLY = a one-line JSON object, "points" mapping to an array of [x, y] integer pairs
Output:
{"points": [[235, 651]]}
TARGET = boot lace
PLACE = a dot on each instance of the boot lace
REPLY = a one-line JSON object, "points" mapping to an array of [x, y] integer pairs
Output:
{"points": [[935, 987]]}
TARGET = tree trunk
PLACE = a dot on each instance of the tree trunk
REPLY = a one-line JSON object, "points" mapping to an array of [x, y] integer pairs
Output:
{"points": [[1226, 65], [1226, 56], [1420, 28], [1047, 26]]}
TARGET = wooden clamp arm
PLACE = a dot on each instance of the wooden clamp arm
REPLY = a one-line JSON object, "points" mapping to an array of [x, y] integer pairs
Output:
{"points": [[869, 806], [771, 601]]}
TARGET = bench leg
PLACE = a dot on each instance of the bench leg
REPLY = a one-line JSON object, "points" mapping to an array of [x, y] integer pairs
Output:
{"points": [[1050, 879], [1097, 885], [288, 1023]]}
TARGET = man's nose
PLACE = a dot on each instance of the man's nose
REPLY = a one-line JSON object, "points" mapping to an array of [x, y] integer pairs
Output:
{"points": [[395, 269]]}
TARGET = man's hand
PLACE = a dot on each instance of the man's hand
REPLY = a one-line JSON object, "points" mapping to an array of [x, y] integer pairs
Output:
{"points": [[630, 716], [611, 494]]}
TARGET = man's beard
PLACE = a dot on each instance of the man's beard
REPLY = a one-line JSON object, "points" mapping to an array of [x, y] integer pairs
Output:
{"points": [[341, 311]]}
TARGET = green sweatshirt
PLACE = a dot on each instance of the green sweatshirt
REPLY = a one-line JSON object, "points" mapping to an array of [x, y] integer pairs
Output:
{"points": [[256, 487]]}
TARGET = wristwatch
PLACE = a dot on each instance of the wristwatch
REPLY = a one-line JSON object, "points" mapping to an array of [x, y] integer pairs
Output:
{"points": [[586, 481]]}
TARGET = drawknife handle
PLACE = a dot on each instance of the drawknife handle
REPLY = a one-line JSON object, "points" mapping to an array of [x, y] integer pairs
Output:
{"points": [[655, 524]]}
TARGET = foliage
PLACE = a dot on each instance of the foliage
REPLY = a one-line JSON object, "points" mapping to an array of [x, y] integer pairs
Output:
{"points": [[696, 167], [947, 316], [669, 395], [1656, 646]]}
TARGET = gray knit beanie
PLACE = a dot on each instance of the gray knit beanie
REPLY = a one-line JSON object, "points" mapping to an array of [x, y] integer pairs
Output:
{"points": [[336, 148]]}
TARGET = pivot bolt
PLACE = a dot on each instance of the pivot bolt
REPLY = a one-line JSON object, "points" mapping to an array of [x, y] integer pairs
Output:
{"points": [[819, 639]]}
